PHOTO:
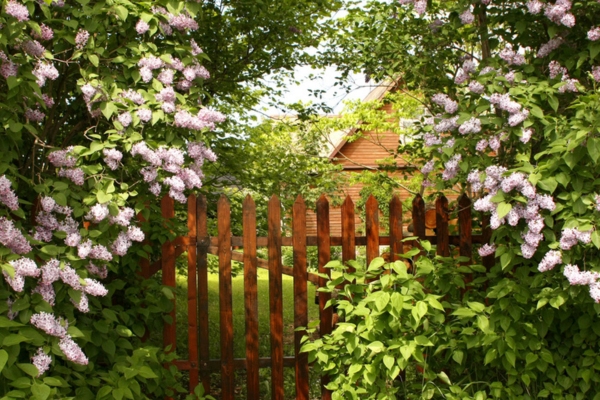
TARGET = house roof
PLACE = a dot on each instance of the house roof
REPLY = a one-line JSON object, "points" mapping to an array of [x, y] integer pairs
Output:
{"points": [[338, 139]]}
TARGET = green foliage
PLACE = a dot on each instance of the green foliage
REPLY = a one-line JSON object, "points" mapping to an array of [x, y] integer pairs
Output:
{"points": [[446, 331]]}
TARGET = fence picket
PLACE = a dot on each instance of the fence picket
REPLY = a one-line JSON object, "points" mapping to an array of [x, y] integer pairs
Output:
{"points": [[372, 228], [225, 299], [167, 207], [275, 297], [300, 296], [324, 251], [441, 226], [202, 243], [192, 294], [418, 217], [348, 231], [251, 297], [395, 228]]}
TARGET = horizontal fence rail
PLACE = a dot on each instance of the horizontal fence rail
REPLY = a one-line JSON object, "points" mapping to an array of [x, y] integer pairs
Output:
{"points": [[198, 245]]}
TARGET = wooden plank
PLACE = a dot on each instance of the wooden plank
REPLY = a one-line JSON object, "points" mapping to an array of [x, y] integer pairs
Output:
{"points": [[225, 299], [275, 298], [300, 296], [167, 207], [192, 295], [372, 228], [465, 228], [238, 363], [251, 297], [395, 228], [202, 243], [418, 216], [441, 220], [238, 241], [324, 255], [348, 231]]}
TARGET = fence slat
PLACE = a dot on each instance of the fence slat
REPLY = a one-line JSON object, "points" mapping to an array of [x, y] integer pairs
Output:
{"points": [[300, 296], [348, 231], [167, 207], [418, 216], [465, 228], [441, 226], [372, 228], [251, 297], [202, 245], [275, 297], [324, 250], [395, 228], [225, 299], [192, 295]]}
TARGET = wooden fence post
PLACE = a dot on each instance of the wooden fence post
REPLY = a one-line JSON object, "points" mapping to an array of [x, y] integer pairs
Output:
{"points": [[441, 226], [275, 297], [202, 244], [372, 228], [225, 300], [192, 293], [324, 250], [348, 231], [300, 296], [396, 246], [251, 297]]}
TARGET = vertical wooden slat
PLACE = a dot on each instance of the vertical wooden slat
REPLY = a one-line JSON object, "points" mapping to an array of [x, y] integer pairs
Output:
{"points": [[225, 299], [167, 207], [418, 216], [441, 226], [372, 228], [348, 231], [300, 296], [192, 294], [324, 250], [395, 228], [465, 228], [202, 244], [275, 297], [251, 297]]}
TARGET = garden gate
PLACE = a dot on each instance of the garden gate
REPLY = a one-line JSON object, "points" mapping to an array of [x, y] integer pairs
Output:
{"points": [[198, 245]]}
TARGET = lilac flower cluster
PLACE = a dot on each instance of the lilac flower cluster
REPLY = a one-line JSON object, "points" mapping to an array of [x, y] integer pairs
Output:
{"points": [[142, 27], [549, 47], [46, 33], [7, 195], [495, 181], [43, 71], [420, 6], [550, 260], [451, 167], [467, 17], [11, 237], [112, 158], [445, 125], [42, 361], [81, 39], [503, 102], [450, 106], [17, 11], [584, 278], [511, 57], [205, 119], [473, 125], [33, 48], [571, 236], [487, 250]]}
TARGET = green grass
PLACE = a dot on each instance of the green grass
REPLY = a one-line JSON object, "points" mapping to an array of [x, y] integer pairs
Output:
{"points": [[239, 343]]}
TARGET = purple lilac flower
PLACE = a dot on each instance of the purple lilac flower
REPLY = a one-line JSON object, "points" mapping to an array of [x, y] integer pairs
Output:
{"points": [[487, 250], [97, 213], [428, 167], [471, 126], [94, 288], [7, 195], [11, 237], [47, 292], [42, 361], [547, 48], [535, 6], [550, 260], [49, 324], [81, 39], [17, 11], [577, 277], [123, 218], [142, 27], [452, 167], [144, 114], [72, 351], [112, 158]]}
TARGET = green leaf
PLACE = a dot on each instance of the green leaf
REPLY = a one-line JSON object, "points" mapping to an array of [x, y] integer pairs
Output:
{"points": [[505, 260], [553, 101], [12, 82], [594, 50], [423, 340], [530, 358], [476, 306], [458, 356], [40, 391], [29, 369], [593, 147], [596, 239], [3, 359], [376, 264], [147, 373], [389, 361], [103, 197], [122, 12], [376, 347], [7, 323], [13, 339], [109, 347], [548, 184], [490, 356], [108, 108], [464, 312], [510, 357], [503, 209], [60, 199], [94, 59], [15, 126], [444, 378]]}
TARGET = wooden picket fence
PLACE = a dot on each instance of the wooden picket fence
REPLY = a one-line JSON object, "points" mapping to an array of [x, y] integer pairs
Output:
{"points": [[198, 244]]}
